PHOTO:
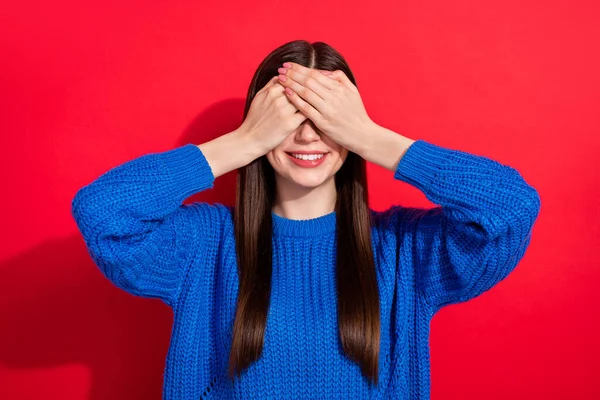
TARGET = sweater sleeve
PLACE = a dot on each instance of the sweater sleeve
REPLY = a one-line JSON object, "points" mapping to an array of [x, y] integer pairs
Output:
{"points": [[477, 234], [136, 228]]}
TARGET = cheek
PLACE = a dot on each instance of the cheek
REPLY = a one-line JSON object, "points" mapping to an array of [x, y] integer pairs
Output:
{"points": [[275, 159], [269, 157], [343, 154]]}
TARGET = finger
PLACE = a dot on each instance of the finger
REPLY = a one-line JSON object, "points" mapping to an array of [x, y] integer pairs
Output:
{"points": [[326, 72], [306, 94], [277, 89], [310, 77], [303, 106], [341, 77], [281, 93], [299, 118], [271, 81]]}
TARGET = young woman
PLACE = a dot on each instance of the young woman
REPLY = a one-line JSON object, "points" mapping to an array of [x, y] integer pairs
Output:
{"points": [[300, 290]]}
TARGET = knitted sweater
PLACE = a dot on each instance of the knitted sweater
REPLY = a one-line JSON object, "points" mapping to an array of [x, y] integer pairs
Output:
{"points": [[147, 242]]}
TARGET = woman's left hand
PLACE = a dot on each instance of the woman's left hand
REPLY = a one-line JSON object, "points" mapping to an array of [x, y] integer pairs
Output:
{"points": [[331, 102]]}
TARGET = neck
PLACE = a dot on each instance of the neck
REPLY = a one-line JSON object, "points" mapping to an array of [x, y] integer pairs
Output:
{"points": [[299, 202]]}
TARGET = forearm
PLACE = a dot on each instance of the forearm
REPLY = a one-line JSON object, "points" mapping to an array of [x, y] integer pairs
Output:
{"points": [[230, 151], [480, 232], [384, 147]]}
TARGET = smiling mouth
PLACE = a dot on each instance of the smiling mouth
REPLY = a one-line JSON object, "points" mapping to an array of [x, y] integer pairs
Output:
{"points": [[291, 153], [307, 163]]}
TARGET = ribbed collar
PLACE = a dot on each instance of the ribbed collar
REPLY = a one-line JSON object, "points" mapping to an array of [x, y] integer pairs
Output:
{"points": [[304, 227]]}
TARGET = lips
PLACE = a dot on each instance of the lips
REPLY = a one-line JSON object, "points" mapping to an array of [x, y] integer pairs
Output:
{"points": [[307, 163], [307, 152]]}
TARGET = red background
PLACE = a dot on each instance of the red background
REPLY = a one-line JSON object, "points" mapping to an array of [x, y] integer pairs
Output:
{"points": [[86, 87]]}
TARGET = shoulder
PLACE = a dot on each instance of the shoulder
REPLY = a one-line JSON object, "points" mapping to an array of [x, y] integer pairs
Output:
{"points": [[385, 220]]}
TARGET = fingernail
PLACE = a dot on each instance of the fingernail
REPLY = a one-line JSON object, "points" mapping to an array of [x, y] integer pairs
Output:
{"points": [[287, 65], [326, 72]]}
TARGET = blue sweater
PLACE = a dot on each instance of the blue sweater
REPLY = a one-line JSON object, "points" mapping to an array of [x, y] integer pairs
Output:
{"points": [[147, 242]]}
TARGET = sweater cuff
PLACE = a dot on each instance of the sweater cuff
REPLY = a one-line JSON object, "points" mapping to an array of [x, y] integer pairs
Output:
{"points": [[188, 169], [422, 164]]}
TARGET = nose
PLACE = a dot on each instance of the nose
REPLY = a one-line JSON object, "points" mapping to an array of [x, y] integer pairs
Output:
{"points": [[307, 133]]}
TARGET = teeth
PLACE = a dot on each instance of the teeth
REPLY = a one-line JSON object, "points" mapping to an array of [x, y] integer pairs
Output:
{"points": [[308, 156]]}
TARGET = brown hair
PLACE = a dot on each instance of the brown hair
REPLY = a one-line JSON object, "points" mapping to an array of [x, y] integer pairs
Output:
{"points": [[358, 295]]}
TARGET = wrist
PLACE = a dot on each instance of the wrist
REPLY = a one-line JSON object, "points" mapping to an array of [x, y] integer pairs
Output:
{"points": [[229, 151], [384, 147], [249, 148]]}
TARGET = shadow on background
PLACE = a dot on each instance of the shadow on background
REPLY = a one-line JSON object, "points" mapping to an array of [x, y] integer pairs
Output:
{"points": [[57, 308]]}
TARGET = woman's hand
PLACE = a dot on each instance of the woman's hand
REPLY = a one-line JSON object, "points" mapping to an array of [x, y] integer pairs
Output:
{"points": [[331, 101], [271, 117]]}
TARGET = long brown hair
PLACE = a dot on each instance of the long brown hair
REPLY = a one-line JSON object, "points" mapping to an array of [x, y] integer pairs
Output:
{"points": [[358, 295]]}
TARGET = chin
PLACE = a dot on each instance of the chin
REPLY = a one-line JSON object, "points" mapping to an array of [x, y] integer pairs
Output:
{"points": [[308, 182]]}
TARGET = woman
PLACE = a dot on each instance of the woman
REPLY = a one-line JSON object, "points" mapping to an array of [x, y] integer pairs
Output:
{"points": [[301, 290]]}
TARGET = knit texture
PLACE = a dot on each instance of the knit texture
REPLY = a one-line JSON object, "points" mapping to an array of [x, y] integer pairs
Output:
{"points": [[148, 243]]}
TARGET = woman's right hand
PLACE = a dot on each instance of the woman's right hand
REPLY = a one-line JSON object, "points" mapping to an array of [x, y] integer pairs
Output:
{"points": [[271, 117]]}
